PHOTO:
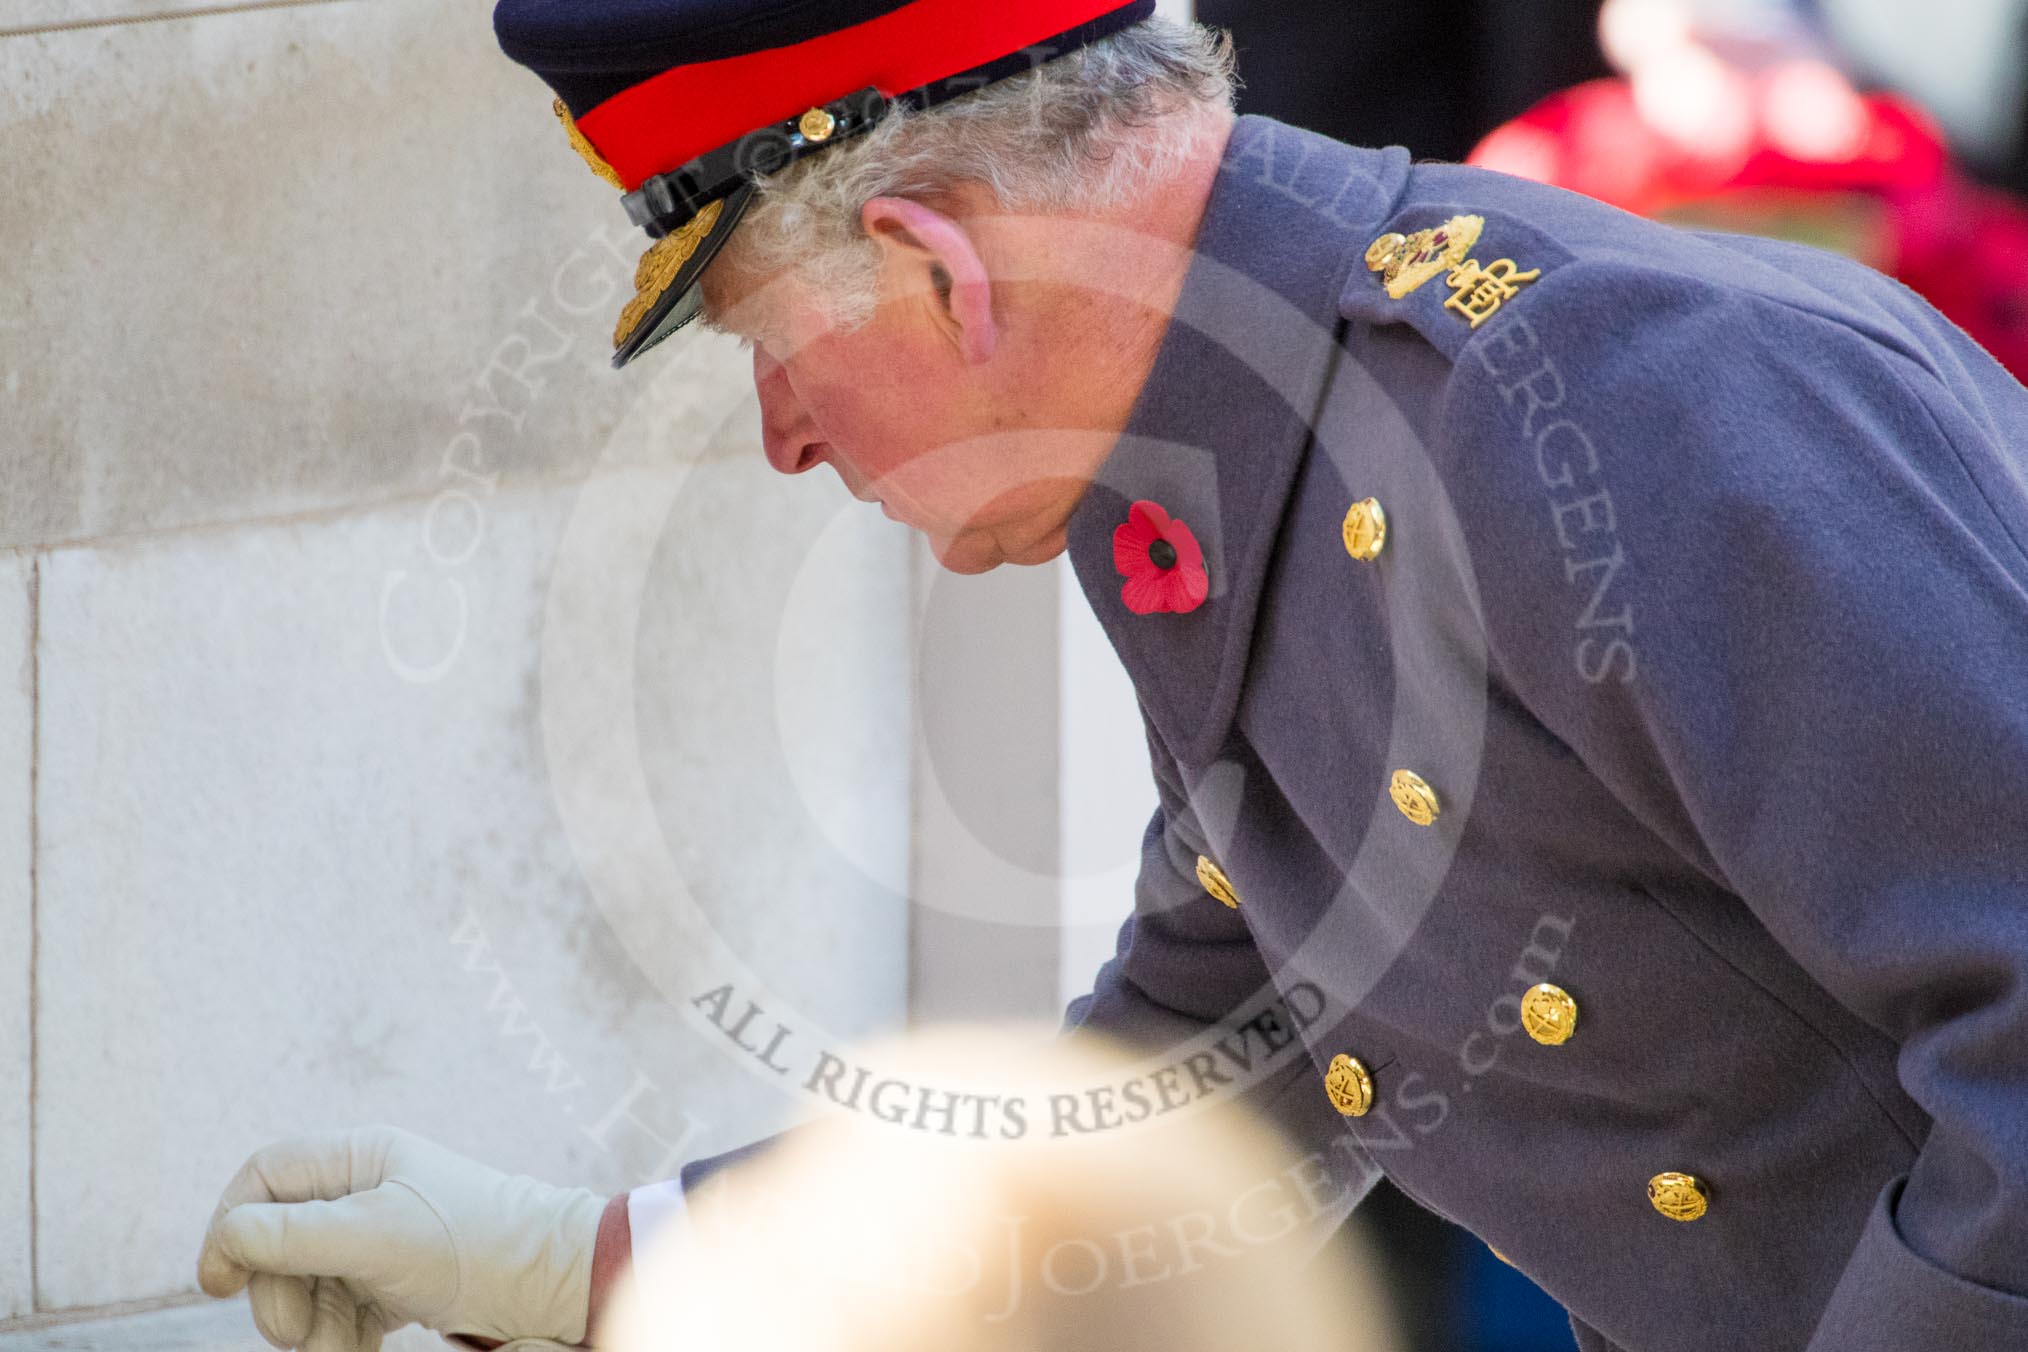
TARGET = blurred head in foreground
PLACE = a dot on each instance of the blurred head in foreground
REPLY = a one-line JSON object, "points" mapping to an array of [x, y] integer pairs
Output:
{"points": [[1194, 1231]]}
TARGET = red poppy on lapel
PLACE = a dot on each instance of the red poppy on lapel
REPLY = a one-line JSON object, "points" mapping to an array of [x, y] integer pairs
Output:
{"points": [[1161, 561]]}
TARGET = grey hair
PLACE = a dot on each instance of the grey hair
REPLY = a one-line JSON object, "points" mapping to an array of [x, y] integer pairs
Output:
{"points": [[1085, 132]]}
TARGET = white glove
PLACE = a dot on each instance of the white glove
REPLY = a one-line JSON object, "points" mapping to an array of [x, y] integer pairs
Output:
{"points": [[347, 1235]]}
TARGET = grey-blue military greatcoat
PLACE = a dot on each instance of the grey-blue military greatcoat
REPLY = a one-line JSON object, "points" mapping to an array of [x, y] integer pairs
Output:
{"points": [[1641, 811]]}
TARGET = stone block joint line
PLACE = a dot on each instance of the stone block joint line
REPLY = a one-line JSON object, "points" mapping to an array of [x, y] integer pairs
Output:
{"points": [[161, 16], [34, 912]]}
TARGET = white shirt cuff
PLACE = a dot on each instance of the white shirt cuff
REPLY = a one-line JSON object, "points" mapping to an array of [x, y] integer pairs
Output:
{"points": [[656, 1214]]}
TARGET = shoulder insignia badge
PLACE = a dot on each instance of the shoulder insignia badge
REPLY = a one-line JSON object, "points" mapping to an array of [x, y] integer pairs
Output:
{"points": [[1478, 290], [1406, 262]]}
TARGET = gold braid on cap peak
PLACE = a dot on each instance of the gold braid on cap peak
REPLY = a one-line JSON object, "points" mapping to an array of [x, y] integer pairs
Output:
{"points": [[583, 146], [659, 266]]}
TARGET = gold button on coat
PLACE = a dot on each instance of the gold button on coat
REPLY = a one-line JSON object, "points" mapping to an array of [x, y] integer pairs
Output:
{"points": [[1549, 1014], [1215, 882], [1680, 1197], [1416, 799], [1366, 530], [1350, 1087]]}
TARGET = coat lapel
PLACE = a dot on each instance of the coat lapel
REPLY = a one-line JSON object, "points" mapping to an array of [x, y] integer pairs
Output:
{"points": [[1223, 423]]}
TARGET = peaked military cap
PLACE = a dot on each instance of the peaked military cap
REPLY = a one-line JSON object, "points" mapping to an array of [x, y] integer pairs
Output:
{"points": [[686, 105]]}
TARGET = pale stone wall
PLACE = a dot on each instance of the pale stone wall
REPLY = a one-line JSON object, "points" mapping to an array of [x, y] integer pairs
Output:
{"points": [[403, 717], [415, 709], [17, 923]]}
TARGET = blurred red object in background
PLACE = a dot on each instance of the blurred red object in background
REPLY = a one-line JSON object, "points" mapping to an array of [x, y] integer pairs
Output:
{"points": [[1794, 153]]}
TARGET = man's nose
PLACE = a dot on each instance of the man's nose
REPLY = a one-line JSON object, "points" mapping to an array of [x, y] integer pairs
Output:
{"points": [[788, 432]]}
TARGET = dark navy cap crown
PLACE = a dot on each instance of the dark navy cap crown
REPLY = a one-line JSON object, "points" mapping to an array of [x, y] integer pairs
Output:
{"points": [[590, 52]]}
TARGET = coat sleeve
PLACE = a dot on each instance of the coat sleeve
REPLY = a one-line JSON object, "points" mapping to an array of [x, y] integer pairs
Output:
{"points": [[1185, 966], [1765, 574]]}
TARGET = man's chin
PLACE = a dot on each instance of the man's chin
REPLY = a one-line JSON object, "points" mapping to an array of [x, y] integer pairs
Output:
{"points": [[968, 555], [979, 551]]}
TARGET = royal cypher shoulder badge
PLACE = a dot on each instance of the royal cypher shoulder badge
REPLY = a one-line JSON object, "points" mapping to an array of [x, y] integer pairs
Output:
{"points": [[1407, 262]]}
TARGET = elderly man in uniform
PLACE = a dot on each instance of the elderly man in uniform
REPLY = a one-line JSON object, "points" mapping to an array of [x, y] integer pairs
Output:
{"points": [[1585, 664]]}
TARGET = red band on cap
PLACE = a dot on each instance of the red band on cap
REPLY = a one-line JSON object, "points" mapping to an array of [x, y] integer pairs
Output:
{"points": [[664, 123]]}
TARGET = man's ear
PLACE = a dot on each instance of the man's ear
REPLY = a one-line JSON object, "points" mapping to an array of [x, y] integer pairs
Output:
{"points": [[940, 254]]}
